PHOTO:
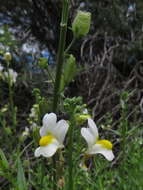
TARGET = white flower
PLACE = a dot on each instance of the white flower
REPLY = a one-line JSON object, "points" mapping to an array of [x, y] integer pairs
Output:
{"points": [[33, 113], [85, 111], [52, 135], [95, 145], [25, 132], [11, 74], [7, 56], [33, 126]]}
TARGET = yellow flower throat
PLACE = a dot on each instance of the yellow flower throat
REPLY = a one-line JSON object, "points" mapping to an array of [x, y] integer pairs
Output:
{"points": [[46, 140], [105, 144]]}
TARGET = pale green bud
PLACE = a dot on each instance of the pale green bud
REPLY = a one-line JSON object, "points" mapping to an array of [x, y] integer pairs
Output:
{"points": [[81, 24], [7, 56], [43, 63], [81, 118], [70, 69]]}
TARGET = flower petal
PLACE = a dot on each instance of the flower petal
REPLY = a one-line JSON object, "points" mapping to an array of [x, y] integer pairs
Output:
{"points": [[61, 130], [49, 124], [97, 148], [88, 136], [49, 119], [43, 131], [93, 128], [46, 151]]}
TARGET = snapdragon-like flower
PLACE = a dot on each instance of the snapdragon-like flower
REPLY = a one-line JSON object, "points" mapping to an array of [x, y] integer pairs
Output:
{"points": [[52, 135], [95, 145]]}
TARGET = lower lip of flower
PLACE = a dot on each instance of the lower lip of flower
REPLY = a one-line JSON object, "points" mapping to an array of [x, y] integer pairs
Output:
{"points": [[105, 144], [45, 140]]}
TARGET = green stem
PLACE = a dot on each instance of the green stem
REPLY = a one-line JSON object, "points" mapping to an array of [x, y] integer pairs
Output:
{"points": [[70, 155], [124, 132], [60, 60], [50, 76], [70, 45], [60, 56], [12, 109]]}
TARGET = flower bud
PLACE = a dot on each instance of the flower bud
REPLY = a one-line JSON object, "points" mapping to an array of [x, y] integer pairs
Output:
{"points": [[43, 63], [81, 118], [7, 56], [81, 24]]}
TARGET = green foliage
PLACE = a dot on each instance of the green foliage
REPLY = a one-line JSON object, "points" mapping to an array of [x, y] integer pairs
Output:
{"points": [[21, 181], [70, 69], [3, 161], [122, 174], [7, 40], [69, 72]]}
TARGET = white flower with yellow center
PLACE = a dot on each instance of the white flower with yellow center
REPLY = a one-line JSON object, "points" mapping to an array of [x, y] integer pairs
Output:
{"points": [[52, 135], [95, 145]]}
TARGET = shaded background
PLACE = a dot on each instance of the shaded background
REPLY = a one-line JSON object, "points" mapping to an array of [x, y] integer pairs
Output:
{"points": [[111, 52]]}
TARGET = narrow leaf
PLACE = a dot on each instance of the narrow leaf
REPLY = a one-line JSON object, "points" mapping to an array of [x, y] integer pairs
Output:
{"points": [[21, 181], [4, 161]]}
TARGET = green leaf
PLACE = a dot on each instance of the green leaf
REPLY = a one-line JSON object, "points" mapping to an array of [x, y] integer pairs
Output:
{"points": [[21, 181], [4, 161], [43, 106], [70, 69]]}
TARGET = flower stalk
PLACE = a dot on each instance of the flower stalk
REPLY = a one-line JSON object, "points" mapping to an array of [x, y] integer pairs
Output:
{"points": [[11, 82], [60, 55], [70, 156], [60, 60], [70, 45], [12, 109]]}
